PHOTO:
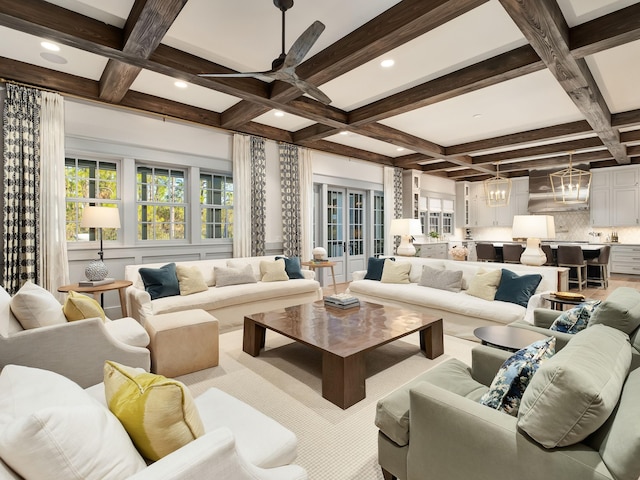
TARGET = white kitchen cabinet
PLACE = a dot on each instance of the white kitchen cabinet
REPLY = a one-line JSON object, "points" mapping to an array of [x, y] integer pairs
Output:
{"points": [[625, 259], [411, 193], [600, 199]]}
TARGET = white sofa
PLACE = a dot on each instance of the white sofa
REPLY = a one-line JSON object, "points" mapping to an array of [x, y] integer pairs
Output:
{"points": [[51, 428], [76, 349], [229, 304], [461, 313]]}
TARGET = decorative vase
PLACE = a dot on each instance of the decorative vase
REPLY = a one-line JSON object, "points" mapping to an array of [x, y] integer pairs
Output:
{"points": [[96, 270]]}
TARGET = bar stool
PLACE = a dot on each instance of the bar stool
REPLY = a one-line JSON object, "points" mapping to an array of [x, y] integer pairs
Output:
{"points": [[486, 252], [572, 257], [512, 252], [549, 253], [601, 262]]}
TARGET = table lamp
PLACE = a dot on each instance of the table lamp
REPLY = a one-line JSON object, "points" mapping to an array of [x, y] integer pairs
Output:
{"points": [[406, 228], [533, 228], [99, 217]]}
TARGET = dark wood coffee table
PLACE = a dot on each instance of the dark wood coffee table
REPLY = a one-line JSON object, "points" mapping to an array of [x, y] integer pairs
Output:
{"points": [[344, 337], [508, 338]]}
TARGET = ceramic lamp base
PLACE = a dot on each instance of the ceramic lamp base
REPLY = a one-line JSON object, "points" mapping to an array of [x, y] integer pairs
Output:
{"points": [[96, 270]]}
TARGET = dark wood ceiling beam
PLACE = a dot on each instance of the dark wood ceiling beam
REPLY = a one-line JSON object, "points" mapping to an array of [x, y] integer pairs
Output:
{"points": [[608, 31], [630, 136], [506, 66], [626, 119], [401, 23], [551, 148], [411, 160], [401, 139], [514, 139], [545, 28], [445, 166], [145, 28], [314, 132]]}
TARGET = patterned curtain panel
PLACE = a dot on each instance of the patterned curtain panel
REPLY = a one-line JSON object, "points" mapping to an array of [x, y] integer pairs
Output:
{"points": [[397, 192], [290, 191], [21, 128], [258, 196]]}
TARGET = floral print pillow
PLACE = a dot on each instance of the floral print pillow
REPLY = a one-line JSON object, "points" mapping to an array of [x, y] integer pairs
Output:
{"points": [[576, 319], [507, 388]]}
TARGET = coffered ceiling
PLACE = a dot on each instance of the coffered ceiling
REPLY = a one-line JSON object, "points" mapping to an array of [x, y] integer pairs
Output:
{"points": [[475, 84]]}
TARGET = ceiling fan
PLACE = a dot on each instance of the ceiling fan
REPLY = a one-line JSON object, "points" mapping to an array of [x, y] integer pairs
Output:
{"points": [[284, 67]]}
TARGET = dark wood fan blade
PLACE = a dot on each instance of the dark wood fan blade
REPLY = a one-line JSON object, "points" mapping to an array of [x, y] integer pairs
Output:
{"points": [[268, 75], [303, 44], [309, 89]]}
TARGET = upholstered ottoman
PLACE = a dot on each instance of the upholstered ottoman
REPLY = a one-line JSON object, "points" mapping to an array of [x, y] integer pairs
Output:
{"points": [[182, 342]]}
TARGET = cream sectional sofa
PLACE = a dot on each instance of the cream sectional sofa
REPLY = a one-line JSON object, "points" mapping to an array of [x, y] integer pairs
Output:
{"points": [[229, 304], [461, 313]]}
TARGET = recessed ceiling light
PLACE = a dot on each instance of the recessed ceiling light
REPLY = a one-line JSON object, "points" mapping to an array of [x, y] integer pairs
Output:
{"points": [[180, 84], [344, 132], [387, 63], [400, 149], [477, 115], [279, 113], [50, 46], [53, 58]]}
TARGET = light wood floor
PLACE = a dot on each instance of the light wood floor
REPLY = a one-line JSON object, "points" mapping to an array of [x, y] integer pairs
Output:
{"points": [[616, 280]]}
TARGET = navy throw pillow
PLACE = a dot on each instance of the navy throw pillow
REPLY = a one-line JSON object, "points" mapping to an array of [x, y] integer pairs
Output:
{"points": [[292, 267], [160, 282], [516, 288], [374, 268]]}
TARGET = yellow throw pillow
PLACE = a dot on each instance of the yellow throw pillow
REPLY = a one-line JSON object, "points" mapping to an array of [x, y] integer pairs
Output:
{"points": [[273, 271], [190, 280], [485, 284], [395, 272], [158, 413], [78, 307]]}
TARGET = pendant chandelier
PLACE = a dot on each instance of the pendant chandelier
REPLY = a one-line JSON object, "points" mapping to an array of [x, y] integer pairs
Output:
{"points": [[497, 190], [570, 185]]}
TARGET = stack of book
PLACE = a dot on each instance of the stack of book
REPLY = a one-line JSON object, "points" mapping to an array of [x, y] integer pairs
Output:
{"points": [[341, 300], [95, 283]]}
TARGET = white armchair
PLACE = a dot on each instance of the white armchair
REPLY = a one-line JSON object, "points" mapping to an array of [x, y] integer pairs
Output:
{"points": [[77, 349]]}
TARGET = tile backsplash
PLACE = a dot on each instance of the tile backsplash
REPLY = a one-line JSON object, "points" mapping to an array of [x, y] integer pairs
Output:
{"points": [[570, 226]]}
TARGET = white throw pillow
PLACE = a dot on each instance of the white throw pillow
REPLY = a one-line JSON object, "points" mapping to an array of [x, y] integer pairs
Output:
{"points": [[80, 442], [485, 284], [32, 396], [35, 307]]}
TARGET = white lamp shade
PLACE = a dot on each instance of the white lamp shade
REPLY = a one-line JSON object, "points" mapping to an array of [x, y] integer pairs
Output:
{"points": [[100, 217], [536, 226], [405, 226]]}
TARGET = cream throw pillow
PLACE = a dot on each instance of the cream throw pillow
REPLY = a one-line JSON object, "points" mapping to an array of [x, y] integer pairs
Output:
{"points": [[158, 413], [273, 271], [485, 284], [395, 272], [78, 307], [190, 280], [35, 307]]}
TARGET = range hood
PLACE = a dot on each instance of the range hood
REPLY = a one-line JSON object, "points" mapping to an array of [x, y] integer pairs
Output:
{"points": [[541, 195]]}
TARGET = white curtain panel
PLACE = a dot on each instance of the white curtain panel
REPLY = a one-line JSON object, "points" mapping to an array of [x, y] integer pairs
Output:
{"points": [[54, 260], [389, 207], [306, 202], [242, 196]]}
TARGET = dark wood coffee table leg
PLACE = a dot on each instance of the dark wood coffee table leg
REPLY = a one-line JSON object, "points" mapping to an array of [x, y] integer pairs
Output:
{"points": [[253, 337], [432, 340], [343, 379]]}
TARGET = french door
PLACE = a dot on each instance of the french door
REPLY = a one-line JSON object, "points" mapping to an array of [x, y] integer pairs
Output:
{"points": [[345, 231]]}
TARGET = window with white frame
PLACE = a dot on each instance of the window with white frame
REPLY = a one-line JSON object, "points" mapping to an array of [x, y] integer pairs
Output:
{"points": [[89, 182], [216, 205], [378, 224], [161, 203]]}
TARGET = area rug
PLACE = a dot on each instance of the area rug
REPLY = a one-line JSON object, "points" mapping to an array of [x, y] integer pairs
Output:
{"points": [[284, 382]]}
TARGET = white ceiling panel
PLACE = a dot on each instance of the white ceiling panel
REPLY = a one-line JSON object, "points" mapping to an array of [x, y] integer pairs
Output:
{"points": [[577, 12], [365, 143], [26, 48], [621, 92], [163, 86], [111, 12], [532, 101], [287, 121]]}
